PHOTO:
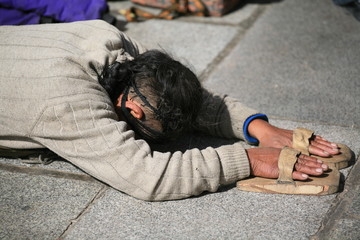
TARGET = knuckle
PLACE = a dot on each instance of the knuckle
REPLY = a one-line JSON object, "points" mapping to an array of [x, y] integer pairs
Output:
{"points": [[299, 167]]}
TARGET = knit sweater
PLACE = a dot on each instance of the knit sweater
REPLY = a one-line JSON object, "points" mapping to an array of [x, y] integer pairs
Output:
{"points": [[50, 98]]}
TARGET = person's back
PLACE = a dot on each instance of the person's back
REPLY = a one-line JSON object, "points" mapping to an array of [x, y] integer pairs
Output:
{"points": [[52, 66], [58, 103]]}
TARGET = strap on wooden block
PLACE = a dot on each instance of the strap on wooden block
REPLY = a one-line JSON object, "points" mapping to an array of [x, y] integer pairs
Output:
{"points": [[301, 139], [287, 160]]}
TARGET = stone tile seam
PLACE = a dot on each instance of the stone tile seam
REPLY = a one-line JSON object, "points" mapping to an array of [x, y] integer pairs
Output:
{"points": [[246, 23], [249, 22], [242, 29], [86, 209], [333, 216], [338, 208], [37, 171]]}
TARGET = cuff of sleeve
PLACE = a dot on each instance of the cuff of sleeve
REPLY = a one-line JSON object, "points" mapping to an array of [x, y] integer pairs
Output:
{"points": [[248, 138], [235, 163]]}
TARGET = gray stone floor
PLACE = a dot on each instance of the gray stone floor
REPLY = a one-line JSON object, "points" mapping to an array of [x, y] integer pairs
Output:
{"points": [[297, 61]]}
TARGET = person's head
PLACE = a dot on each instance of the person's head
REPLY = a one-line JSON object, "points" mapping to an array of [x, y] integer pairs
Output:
{"points": [[158, 96]]}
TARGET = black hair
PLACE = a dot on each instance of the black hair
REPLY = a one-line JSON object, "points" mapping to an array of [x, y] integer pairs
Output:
{"points": [[174, 88]]}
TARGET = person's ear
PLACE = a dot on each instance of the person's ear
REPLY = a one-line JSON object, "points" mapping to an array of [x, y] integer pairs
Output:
{"points": [[134, 108]]}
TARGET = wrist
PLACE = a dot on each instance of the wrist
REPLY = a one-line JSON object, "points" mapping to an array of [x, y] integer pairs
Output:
{"points": [[249, 138], [258, 128], [249, 153]]}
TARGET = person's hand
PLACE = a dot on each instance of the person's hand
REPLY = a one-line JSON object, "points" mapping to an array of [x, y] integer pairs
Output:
{"points": [[271, 136], [264, 163]]}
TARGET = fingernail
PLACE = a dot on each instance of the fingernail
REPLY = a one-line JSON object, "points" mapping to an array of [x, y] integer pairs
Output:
{"points": [[319, 161], [334, 145], [324, 166], [304, 175], [319, 170], [325, 152]]}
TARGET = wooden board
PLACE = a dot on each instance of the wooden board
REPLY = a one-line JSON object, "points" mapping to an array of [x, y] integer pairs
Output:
{"points": [[339, 161], [328, 183]]}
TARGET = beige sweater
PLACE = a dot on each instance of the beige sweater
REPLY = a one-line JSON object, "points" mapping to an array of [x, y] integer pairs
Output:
{"points": [[50, 97]]}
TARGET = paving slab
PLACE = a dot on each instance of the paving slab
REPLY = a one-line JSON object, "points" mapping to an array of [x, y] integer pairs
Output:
{"points": [[57, 167], [41, 207], [195, 41], [343, 222], [240, 16], [227, 214], [297, 61], [194, 44], [224, 215], [346, 229], [57, 164]]}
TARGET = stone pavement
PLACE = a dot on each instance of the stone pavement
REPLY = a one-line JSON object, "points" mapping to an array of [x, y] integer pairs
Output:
{"points": [[295, 60]]}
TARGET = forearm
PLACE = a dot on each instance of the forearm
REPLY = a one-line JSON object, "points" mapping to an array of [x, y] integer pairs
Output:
{"points": [[105, 149], [223, 116]]}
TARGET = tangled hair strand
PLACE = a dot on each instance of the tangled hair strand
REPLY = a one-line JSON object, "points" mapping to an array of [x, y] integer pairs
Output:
{"points": [[174, 88]]}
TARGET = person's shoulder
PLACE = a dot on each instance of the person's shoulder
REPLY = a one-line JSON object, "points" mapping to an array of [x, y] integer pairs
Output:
{"points": [[97, 25]]}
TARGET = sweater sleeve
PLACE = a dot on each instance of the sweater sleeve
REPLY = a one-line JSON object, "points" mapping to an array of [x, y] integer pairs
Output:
{"points": [[87, 134], [223, 116], [61, 106]]}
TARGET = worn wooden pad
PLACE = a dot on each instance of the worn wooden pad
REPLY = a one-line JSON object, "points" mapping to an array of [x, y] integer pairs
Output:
{"points": [[326, 184], [341, 160]]}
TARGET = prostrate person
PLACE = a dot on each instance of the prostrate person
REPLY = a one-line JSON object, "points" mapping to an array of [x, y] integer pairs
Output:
{"points": [[94, 96]]}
